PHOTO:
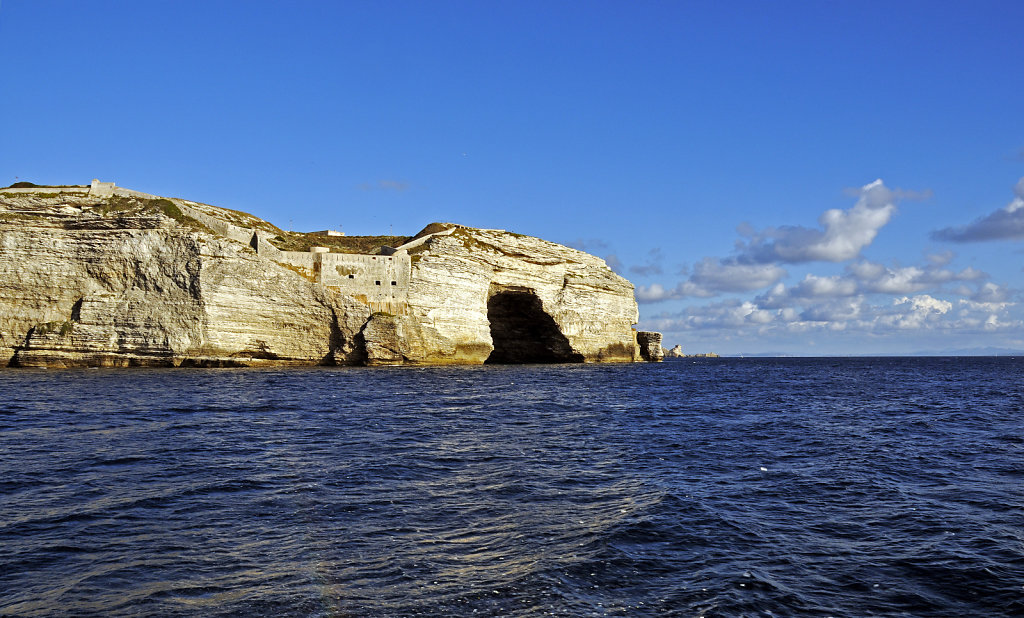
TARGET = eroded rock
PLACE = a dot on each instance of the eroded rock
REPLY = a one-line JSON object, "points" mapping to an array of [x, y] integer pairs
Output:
{"points": [[650, 346], [141, 289], [457, 275]]}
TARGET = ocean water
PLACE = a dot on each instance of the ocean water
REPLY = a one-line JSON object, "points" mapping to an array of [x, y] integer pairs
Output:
{"points": [[717, 487]]}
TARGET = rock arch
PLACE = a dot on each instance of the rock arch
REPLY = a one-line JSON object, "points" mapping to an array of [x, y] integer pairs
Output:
{"points": [[522, 332]]}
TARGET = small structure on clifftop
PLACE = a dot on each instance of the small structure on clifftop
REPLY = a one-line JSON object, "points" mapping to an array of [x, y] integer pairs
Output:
{"points": [[101, 189]]}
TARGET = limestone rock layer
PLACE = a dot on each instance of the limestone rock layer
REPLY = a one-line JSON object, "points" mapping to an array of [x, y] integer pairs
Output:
{"points": [[537, 300], [93, 281]]}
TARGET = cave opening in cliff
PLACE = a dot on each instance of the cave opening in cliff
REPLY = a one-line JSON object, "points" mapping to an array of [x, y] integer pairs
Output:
{"points": [[522, 332]]}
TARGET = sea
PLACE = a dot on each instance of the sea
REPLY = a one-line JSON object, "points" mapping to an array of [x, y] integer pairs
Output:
{"points": [[694, 487]]}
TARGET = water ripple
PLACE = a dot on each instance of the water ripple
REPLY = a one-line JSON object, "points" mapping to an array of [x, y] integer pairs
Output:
{"points": [[728, 487]]}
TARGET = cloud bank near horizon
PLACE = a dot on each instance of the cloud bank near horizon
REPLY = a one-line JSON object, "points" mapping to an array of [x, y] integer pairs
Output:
{"points": [[867, 297], [757, 263]]}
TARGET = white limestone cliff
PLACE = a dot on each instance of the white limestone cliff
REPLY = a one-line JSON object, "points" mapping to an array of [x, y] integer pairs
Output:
{"points": [[83, 287], [470, 286], [106, 281]]}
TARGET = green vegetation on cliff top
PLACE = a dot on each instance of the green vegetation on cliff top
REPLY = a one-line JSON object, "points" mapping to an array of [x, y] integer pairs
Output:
{"points": [[129, 206], [300, 241], [31, 185]]}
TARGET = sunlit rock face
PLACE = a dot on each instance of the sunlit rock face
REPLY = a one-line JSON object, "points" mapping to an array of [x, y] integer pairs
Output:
{"points": [[501, 297], [649, 344], [83, 288], [675, 352], [399, 339]]}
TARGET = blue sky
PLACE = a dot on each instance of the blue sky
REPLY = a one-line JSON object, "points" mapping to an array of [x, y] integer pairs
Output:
{"points": [[721, 155]]}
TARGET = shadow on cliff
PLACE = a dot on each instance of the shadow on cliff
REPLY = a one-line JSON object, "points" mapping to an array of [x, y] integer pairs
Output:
{"points": [[522, 332]]}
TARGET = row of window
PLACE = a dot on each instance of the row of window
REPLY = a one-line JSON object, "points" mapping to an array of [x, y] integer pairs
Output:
{"points": [[377, 282]]}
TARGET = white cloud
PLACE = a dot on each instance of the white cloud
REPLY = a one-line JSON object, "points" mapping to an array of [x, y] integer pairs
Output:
{"points": [[843, 233], [656, 292], [756, 264], [834, 311], [875, 278], [817, 287], [991, 293], [940, 259], [912, 313], [810, 288], [920, 313], [925, 304], [712, 277], [1007, 223], [722, 276], [724, 314], [870, 300], [867, 278]]}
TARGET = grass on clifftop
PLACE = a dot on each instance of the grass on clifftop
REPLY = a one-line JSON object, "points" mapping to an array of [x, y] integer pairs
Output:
{"points": [[31, 185], [300, 241], [133, 206]]}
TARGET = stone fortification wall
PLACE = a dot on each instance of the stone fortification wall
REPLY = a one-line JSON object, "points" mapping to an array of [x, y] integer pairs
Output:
{"points": [[417, 242], [122, 192], [97, 189], [263, 246], [379, 281], [101, 189], [305, 260]]}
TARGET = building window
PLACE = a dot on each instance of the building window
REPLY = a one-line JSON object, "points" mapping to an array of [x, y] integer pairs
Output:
{"points": [[377, 282], [394, 283], [351, 276]]}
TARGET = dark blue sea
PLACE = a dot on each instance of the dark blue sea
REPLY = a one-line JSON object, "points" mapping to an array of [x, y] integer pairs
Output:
{"points": [[710, 487]]}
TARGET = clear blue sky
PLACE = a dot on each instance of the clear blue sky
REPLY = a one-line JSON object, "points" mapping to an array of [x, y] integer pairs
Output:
{"points": [[695, 145]]}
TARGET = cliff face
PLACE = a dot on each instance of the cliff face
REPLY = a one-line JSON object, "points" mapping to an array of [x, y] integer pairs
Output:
{"points": [[492, 295], [83, 288], [91, 281]]}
